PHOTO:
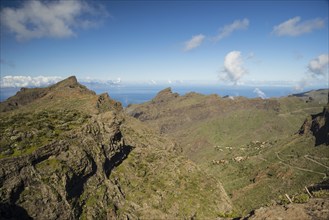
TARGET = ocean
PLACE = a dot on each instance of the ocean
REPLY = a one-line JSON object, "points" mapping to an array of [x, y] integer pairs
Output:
{"points": [[135, 94]]}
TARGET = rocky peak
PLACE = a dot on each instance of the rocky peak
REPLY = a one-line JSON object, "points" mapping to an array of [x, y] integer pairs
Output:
{"points": [[105, 103], [71, 83], [68, 82], [165, 96], [62, 91]]}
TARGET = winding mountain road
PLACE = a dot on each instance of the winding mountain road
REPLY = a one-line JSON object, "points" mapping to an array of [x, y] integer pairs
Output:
{"points": [[317, 162], [302, 169]]}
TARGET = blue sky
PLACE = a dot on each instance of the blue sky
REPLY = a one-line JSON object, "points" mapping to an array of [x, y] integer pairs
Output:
{"points": [[224, 42]]}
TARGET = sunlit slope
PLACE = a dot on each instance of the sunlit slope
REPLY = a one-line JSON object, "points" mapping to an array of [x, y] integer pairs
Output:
{"points": [[250, 144]]}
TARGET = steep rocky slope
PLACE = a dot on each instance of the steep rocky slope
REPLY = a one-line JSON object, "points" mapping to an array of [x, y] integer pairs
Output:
{"points": [[67, 153], [318, 125]]}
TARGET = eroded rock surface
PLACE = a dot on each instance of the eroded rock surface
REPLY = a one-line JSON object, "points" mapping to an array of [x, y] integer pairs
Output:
{"points": [[318, 125]]}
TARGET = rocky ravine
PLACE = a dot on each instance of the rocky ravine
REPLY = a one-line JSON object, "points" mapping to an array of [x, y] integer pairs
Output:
{"points": [[106, 166]]}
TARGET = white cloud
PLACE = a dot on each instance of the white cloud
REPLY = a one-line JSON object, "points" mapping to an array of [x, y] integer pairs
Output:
{"points": [[233, 67], [58, 19], [293, 27], [228, 29], [302, 84], [117, 81], [28, 81], [319, 65], [194, 42], [260, 93], [317, 69]]}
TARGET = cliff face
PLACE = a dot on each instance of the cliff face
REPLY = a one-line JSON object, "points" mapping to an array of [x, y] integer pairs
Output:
{"points": [[59, 178], [318, 125], [70, 154]]}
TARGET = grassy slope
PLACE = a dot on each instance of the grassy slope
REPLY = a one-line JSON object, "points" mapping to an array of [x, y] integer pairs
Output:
{"points": [[163, 184], [280, 166], [261, 177]]}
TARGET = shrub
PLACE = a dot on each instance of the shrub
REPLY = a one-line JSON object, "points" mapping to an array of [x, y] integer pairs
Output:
{"points": [[321, 194], [301, 198]]}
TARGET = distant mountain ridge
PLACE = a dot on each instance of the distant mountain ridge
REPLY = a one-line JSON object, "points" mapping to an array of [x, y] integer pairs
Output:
{"points": [[320, 95]]}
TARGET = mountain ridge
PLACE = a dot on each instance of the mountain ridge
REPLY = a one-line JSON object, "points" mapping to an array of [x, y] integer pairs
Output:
{"points": [[70, 154]]}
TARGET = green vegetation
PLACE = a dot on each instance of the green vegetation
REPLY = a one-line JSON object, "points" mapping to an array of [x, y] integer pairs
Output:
{"points": [[268, 171], [301, 198], [321, 194], [23, 133], [247, 153], [174, 187], [251, 146]]}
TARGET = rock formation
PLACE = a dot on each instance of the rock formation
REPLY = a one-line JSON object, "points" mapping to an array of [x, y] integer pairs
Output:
{"points": [[318, 125], [67, 153]]}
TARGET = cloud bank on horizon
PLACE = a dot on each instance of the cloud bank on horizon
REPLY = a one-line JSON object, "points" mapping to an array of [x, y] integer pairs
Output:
{"points": [[28, 81], [43, 81]]}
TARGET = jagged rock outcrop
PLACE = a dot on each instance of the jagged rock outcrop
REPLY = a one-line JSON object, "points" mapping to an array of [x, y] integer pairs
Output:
{"points": [[164, 96], [58, 179], [318, 125], [105, 103], [71, 154]]}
